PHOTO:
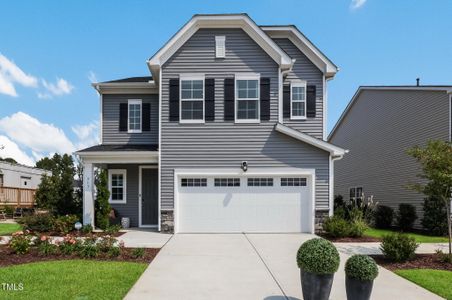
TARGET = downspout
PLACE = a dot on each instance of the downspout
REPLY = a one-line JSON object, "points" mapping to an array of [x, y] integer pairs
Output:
{"points": [[332, 159]]}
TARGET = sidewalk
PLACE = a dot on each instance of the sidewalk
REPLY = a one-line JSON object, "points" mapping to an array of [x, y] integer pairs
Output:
{"points": [[374, 248]]}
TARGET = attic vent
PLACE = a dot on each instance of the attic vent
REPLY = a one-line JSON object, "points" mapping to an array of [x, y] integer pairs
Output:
{"points": [[220, 46]]}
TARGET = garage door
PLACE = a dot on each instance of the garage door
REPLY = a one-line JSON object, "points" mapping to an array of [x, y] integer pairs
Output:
{"points": [[244, 204]]}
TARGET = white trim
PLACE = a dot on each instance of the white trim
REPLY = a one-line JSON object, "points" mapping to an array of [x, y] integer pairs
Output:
{"points": [[239, 172], [192, 77], [134, 102], [280, 96], [101, 117], [334, 150], [446, 89], [298, 83], [450, 117], [331, 186], [140, 186], [247, 76], [121, 157], [122, 172], [220, 46], [325, 106], [159, 158], [126, 87]]}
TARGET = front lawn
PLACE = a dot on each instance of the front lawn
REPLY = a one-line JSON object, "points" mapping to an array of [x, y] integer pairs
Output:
{"points": [[71, 279], [420, 238], [9, 228], [436, 281]]}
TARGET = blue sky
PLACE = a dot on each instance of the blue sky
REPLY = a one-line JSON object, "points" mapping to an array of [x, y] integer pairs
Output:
{"points": [[50, 51]]}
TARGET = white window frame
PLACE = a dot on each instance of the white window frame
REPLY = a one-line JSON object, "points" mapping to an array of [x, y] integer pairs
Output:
{"points": [[131, 102], [236, 93], [186, 77], [220, 46], [298, 84], [122, 172]]}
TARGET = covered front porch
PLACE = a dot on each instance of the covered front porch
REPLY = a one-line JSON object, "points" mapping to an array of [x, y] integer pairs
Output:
{"points": [[132, 182]]}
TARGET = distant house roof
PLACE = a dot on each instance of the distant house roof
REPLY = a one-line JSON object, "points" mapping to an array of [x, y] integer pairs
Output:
{"points": [[104, 148], [130, 79]]}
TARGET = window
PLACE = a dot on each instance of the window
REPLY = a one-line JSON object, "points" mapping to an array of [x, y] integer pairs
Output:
{"points": [[229, 182], [356, 193], [297, 181], [117, 183], [220, 46], [260, 181], [192, 99], [193, 182], [298, 100], [134, 116], [247, 98]]}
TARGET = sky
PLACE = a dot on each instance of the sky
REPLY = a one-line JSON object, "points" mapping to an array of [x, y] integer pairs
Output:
{"points": [[51, 51]]}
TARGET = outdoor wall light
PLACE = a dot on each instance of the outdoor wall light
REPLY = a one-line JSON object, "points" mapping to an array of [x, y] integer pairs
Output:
{"points": [[78, 226], [244, 166]]}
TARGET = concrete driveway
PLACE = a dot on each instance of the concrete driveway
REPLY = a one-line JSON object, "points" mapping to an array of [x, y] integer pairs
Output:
{"points": [[245, 266]]}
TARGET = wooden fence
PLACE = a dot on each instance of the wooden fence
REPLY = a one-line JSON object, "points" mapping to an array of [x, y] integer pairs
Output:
{"points": [[17, 197]]}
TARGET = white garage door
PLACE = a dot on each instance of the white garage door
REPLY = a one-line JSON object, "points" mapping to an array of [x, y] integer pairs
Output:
{"points": [[244, 204]]}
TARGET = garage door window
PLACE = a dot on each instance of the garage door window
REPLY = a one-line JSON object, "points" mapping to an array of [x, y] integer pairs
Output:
{"points": [[260, 181], [193, 182], [293, 181], [229, 182]]}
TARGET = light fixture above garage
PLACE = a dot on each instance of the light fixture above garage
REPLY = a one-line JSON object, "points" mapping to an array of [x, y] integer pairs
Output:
{"points": [[244, 166]]}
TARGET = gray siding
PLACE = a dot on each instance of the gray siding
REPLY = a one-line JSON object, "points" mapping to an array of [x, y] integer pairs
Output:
{"points": [[221, 144], [378, 129], [304, 69], [110, 121]]}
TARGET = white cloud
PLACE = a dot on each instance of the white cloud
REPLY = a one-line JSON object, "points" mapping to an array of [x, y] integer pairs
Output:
{"points": [[357, 4], [11, 74], [92, 77], [88, 135], [39, 137], [61, 87], [10, 149]]}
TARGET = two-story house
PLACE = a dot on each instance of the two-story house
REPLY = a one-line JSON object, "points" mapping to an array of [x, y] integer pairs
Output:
{"points": [[227, 135]]}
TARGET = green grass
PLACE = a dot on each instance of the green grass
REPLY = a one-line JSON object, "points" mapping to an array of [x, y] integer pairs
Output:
{"points": [[420, 238], [71, 279], [436, 281], [8, 228]]}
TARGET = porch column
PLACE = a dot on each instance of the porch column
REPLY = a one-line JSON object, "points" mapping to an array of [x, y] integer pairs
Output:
{"points": [[88, 194]]}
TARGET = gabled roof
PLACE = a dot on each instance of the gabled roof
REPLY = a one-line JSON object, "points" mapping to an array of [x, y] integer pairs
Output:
{"points": [[332, 149], [437, 88], [304, 45], [130, 79], [141, 84], [242, 21]]}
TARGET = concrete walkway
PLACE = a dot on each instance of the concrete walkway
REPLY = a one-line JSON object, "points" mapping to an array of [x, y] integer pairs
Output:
{"points": [[374, 248], [251, 266], [142, 238]]}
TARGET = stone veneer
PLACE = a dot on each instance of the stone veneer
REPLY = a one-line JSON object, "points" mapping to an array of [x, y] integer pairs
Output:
{"points": [[167, 221]]}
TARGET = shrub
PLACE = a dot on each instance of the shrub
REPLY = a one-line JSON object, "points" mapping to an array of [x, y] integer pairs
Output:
{"points": [[318, 256], [45, 246], [64, 224], [38, 222], [336, 227], [102, 206], [88, 228], [89, 248], [105, 243], [361, 267], [70, 245], [113, 229], [114, 251], [20, 242], [357, 228], [435, 216], [138, 252], [383, 217], [406, 216], [444, 257], [398, 247]]}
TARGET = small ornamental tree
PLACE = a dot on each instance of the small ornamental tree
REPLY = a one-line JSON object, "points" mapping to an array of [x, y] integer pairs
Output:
{"points": [[436, 161], [103, 194]]}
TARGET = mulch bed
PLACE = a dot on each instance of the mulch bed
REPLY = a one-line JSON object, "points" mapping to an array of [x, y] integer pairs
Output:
{"points": [[421, 261], [363, 239], [7, 258]]}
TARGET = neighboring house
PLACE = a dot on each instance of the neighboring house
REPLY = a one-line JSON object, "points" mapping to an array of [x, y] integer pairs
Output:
{"points": [[20, 176], [228, 135], [378, 126]]}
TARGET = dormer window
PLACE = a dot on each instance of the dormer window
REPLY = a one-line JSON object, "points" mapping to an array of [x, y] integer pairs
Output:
{"points": [[220, 46]]}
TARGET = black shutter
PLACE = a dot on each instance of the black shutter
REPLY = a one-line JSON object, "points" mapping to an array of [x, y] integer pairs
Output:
{"points": [[209, 89], [174, 100], [286, 101], [146, 117], [123, 112], [229, 99], [310, 104], [265, 99]]}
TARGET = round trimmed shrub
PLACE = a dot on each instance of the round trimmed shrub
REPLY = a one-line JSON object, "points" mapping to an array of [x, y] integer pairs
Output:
{"points": [[406, 216], [361, 267], [383, 217], [318, 256]]}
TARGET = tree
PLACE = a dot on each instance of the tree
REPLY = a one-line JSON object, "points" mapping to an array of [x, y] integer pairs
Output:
{"points": [[9, 159], [436, 161], [102, 206]]}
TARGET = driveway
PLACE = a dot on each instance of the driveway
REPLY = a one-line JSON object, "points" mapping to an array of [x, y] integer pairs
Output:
{"points": [[245, 266]]}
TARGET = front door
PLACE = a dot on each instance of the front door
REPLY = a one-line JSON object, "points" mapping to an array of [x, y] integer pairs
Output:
{"points": [[149, 197]]}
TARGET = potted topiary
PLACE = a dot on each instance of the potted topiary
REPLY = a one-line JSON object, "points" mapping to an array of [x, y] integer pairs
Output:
{"points": [[318, 260], [360, 272]]}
